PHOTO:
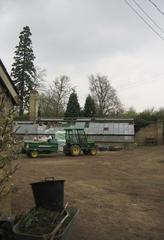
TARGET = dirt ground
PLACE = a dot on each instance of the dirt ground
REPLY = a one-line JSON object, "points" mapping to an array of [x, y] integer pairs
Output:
{"points": [[120, 195]]}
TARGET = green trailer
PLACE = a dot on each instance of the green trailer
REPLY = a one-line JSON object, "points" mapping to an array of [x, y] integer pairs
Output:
{"points": [[34, 148]]}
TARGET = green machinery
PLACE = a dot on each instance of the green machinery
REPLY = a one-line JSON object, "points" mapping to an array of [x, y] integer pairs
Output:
{"points": [[34, 148], [77, 142]]}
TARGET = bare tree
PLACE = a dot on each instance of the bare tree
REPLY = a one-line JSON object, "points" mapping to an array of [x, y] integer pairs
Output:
{"points": [[108, 104], [47, 105], [60, 91], [53, 101], [39, 77]]}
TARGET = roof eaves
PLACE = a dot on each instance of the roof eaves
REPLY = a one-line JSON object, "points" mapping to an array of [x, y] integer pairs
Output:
{"points": [[15, 99]]}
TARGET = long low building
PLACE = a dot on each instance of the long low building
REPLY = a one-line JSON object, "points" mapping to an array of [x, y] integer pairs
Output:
{"points": [[101, 130]]}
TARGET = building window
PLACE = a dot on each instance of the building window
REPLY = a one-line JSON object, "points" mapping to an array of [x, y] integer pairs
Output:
{"points": [[106, 129]]}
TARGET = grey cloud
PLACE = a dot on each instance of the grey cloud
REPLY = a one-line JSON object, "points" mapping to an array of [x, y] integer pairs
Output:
{"points": [[79, 37]]}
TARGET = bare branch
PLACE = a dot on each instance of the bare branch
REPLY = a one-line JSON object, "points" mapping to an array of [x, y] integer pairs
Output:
{"points": [[54, 101], [104, 95]]}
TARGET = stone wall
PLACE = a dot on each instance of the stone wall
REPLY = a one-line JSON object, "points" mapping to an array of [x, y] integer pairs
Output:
{"points": [[5, 99], [5, 198], [151, 134], [33, 105]]}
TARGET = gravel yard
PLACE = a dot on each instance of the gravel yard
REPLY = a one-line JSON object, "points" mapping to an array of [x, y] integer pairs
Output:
{"points": [[120, 194]]}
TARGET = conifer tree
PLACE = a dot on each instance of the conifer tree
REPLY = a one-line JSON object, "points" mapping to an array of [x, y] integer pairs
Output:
{"points": [[23, 71], [73, 107], [89, 107]]}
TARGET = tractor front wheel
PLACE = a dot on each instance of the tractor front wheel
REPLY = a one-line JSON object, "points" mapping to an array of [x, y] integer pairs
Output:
{"points": [[34, 154], [75, 150], [93, 151]]}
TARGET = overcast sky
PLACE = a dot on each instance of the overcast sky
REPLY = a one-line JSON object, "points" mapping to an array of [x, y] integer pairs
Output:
{"points": [[83, 37]]}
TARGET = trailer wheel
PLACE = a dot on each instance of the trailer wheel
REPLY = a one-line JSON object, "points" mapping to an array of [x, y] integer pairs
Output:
{"points": [[75, 150], [93, 151], [34, 154]]}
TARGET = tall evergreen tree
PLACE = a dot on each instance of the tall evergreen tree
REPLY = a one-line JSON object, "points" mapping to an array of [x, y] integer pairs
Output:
{"points": [[73, 107], [23, 70], [89, 107]]}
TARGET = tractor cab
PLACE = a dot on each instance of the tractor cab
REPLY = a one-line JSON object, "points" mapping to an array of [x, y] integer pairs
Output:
{"points": [[76, 136], [77, 142]]}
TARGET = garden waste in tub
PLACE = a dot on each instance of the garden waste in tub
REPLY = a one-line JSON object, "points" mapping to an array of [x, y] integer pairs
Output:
{"points": [[46, 222]]}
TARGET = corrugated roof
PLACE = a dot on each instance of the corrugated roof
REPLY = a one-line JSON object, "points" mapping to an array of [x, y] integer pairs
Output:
{"points": [[86, 119], [94, 128]]}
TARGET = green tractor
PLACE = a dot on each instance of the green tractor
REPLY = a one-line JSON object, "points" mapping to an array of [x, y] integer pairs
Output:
{"points": [[77, 142]]}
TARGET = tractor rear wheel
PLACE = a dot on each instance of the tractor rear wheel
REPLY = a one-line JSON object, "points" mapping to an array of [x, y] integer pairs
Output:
{"points": [[75, 150], [34, 154], [93, 151]]}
